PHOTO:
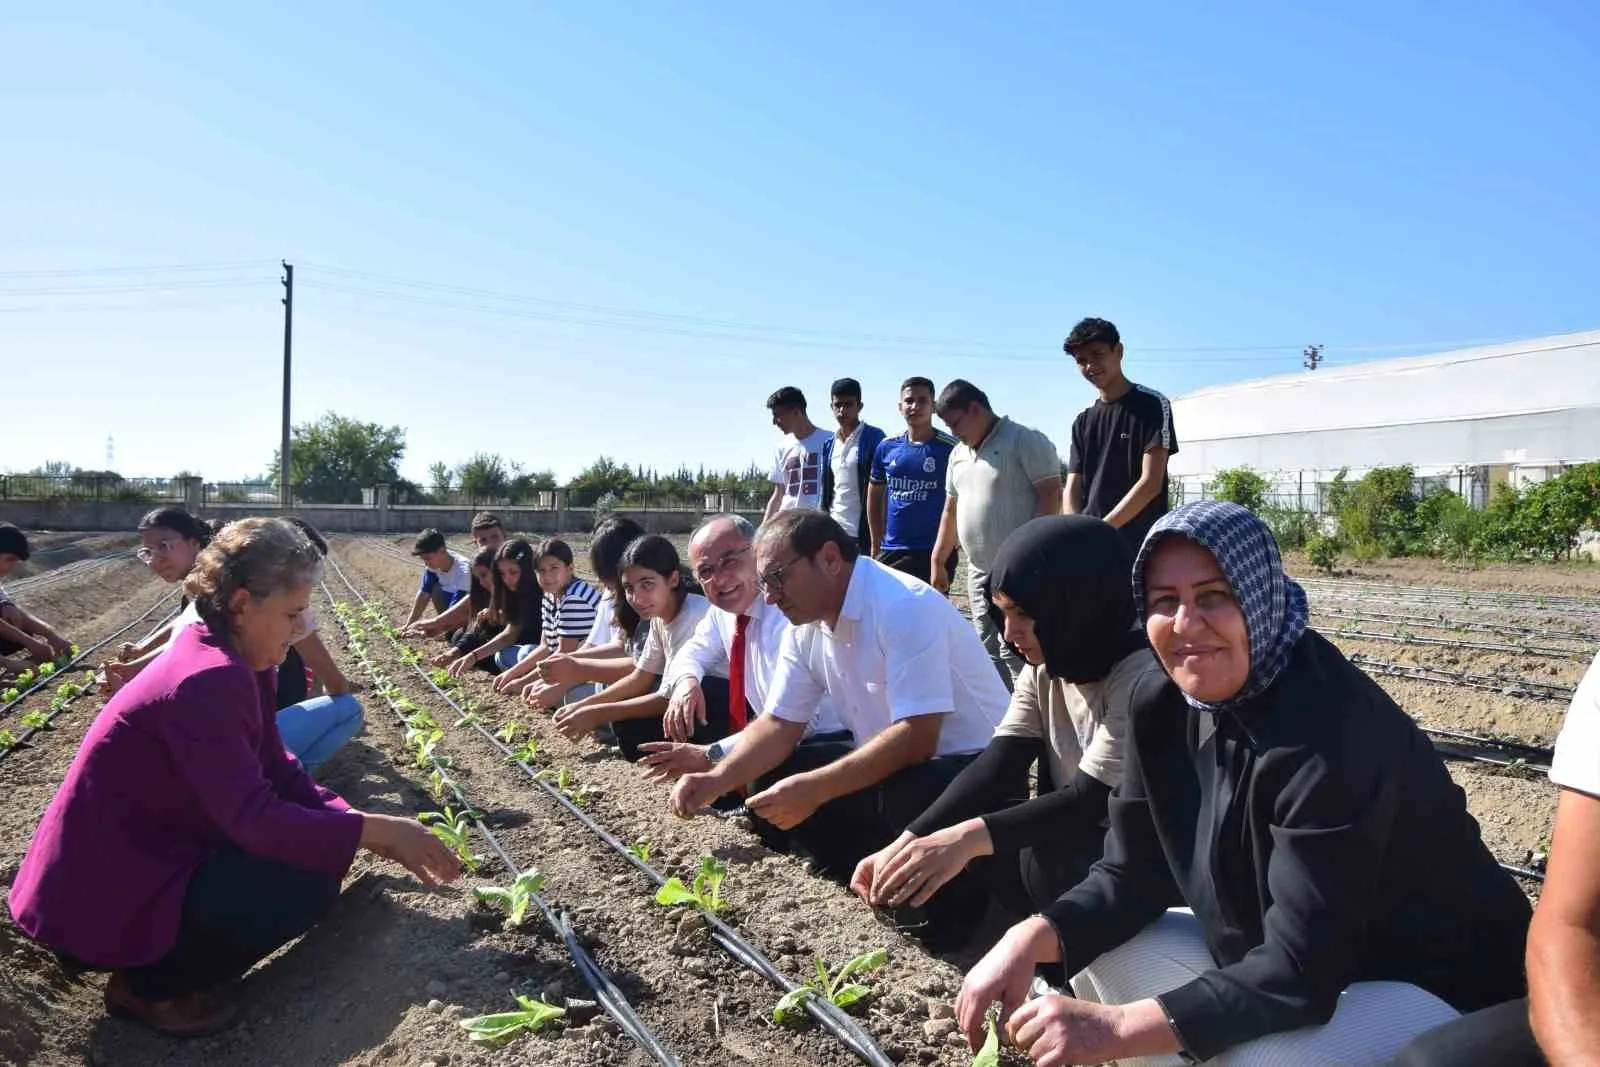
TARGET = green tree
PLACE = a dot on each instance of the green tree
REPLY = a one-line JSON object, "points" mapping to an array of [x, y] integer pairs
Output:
{"points": [[333, 459], [606, 475], [484, 477], [1242, 486], [1378, 513], [440, 476]]}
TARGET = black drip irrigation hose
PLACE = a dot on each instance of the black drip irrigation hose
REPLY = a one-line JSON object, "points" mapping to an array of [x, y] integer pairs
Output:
{"points": [[1442, 622], [1519, 748], [1445, 642], [1475, 604], [829, 1016], [1455, 596], [1511, 687], [607, 995], [85, 653], [78, 568]]}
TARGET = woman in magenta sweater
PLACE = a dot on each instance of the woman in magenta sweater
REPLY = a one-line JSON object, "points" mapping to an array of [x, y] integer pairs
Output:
{"points": [[182, 796]]}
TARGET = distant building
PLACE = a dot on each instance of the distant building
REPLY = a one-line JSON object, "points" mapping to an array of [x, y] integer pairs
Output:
{"points": [[1469, 420]]}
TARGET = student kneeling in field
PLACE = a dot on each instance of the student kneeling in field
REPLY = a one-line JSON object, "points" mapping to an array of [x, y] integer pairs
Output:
{"points": [[489, 534], [606, 655], [482, 622], [909, 679], [654, 584], [515, 608], [567, 614], [185, 844], [21, 634], [446, 575], [1063, 587]]}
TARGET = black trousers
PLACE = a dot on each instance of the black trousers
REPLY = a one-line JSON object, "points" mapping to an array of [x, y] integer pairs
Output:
{"points": [[917, 562], [1493, 1037], [292, 687], [842, 832], [239, 909], [466, 641], [631, 733]]}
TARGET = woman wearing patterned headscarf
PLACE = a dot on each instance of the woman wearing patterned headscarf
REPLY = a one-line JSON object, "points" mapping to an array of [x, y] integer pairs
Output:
{"points": [[1339, 897], [1061, 592]]}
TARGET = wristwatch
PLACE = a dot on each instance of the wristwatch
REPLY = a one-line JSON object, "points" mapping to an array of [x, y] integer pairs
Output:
{"points": [[715, 752]]}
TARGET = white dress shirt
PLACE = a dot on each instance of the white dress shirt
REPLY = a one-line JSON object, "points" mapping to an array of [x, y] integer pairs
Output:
{"points": [[899, 650]]}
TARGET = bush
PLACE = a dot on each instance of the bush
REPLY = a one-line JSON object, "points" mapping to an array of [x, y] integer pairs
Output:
{"points": [[1447, 525], [1242, 486], [1544, 520], [1377, 515], [1290, 526], [1323, 551]]}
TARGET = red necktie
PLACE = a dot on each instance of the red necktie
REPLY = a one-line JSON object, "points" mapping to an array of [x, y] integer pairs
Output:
{"points": [[736, 701]]}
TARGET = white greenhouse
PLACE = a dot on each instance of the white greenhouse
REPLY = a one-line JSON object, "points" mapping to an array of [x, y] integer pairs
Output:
{"points": [[1469, 419]]}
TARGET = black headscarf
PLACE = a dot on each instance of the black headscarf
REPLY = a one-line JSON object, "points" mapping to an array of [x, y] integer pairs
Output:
{"points": [[1074, 576]]}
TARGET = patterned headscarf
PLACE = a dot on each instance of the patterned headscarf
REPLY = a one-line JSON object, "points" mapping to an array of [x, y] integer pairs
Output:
{"points": [[1274, 605]]}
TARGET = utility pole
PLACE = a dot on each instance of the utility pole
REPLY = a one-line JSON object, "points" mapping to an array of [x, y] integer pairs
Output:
{"points": [[284, 489], [1313, 354]]}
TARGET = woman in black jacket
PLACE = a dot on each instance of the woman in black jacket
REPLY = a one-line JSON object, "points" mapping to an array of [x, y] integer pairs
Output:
{"points": [[1060, 585], [1327, 857]]}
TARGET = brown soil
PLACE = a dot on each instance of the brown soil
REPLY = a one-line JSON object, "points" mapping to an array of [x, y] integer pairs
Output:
{"points": [[1575, 578]]}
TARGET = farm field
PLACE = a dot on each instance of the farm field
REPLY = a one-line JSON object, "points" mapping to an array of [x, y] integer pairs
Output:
{"points": [[1487, 653]]}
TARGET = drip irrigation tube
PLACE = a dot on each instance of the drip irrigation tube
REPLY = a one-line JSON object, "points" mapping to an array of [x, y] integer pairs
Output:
{"points": [[79, 568], [605, 990], [1511, 687], [1444, 642], [1466, 626], [85, 653], [847, 1030], [1448, 596]]}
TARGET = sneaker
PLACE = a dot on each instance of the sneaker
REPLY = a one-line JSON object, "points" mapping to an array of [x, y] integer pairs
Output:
{"points": [[189, 1015]]}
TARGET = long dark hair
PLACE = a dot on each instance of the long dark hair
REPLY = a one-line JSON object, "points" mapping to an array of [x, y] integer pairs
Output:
{"points": [[179, 522], [519, 607], [611, 539], [478, 597], [655, 553]]}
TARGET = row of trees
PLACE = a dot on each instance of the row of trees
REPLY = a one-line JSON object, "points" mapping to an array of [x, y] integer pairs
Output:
{"points": [[1383, 514]]}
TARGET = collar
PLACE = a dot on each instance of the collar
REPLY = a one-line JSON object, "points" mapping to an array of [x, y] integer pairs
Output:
{"points": [[855, 596], [852, 435], [994, 431]]}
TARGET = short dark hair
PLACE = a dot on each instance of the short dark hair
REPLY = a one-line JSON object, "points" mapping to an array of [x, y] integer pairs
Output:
{"points": [[1088, 332], [553, 546], [848, 387], [806, 530], [427, 542], [960, 394], [13, 541], [179, 522], [312, 534], [483, 520], [918, 381], [787, 397]]}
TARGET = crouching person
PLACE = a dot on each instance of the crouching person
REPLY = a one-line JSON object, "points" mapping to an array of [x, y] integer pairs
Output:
{"points": [[182, 797], [907, 677]]}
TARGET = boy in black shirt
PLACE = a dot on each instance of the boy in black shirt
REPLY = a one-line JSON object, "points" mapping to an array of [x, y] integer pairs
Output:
{"points": [[1117, 468]]}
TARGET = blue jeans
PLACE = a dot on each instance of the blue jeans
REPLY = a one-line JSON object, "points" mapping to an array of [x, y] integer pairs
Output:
{"points": [[512, 655], [317, 728]]}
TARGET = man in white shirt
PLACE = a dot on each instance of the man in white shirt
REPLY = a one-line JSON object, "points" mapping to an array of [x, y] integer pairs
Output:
{"points": [[797, 473], [723, 560], [907, 675]]}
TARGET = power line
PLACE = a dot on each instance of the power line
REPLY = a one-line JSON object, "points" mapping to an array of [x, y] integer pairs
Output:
{"points": [[176, 268]]}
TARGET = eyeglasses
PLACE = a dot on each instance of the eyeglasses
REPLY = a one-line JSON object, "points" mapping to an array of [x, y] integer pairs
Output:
{"points": [[772, 581], [730, 559], [163, 548]]}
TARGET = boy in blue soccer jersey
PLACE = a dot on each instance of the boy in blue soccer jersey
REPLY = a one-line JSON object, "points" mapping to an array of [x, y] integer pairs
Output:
{"points": [[905, 490]]}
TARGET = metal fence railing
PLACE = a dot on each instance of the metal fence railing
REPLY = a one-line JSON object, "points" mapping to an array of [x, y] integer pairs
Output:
{"points": [[89, 488]]}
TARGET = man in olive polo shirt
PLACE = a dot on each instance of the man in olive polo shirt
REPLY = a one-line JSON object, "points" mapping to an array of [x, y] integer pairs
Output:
{"points": [[1000, 475]]}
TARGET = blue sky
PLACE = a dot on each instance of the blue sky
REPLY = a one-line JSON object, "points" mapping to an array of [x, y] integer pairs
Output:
{"points": [[684, 207]]}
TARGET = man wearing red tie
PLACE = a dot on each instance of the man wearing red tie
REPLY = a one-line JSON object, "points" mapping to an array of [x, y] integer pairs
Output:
{"points": [[740, 636]]}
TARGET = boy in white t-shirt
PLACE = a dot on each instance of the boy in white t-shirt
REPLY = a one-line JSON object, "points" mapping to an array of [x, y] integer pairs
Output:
{"points": [[446, 575], [799, 469]]}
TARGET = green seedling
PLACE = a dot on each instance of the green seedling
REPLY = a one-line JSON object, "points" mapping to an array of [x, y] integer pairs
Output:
{"points": [[25, 678], [436, 785], [501, 1027], [410, 655], [8, 740], [989, 1054], [440, 677], [405, 706], [640, 851], [837, 988], [565, 784], [421, 720], [508, 733], [46, 669], [68, 690], [527, 752], [11, 695], [513, 901], [454, 828], [38, 720], [427, 745], [706, 893]]}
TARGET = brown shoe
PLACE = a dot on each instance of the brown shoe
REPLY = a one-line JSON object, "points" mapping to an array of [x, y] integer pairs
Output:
{"points": [[189, 1015]]}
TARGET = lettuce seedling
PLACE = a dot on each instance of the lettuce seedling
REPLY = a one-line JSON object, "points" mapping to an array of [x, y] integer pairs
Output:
{"points": [[25, 678], [706, 893], [436, 785], [527, 752], [8, 740], [837, 988], [514, 900], [503, 1026], [46, 669], [508, 733], [11, 695], [454, 828], [640, 851], [989, 1054], [37, 720], [427, 744], [440, 677], [565, 784]]}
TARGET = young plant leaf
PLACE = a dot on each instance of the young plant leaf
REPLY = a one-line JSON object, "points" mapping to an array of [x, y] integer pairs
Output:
{"points": [[8, 740], [865, 963], [640, 851], [37, 720], [501, 1027], [989, 1054], [792, 1006], [673, 892], [850, 994]]}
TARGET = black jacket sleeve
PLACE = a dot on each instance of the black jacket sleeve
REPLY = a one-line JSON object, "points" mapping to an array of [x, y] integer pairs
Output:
{"points": [[1132, 884], [1331, 825], [1071, 811], [998, 777]]}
